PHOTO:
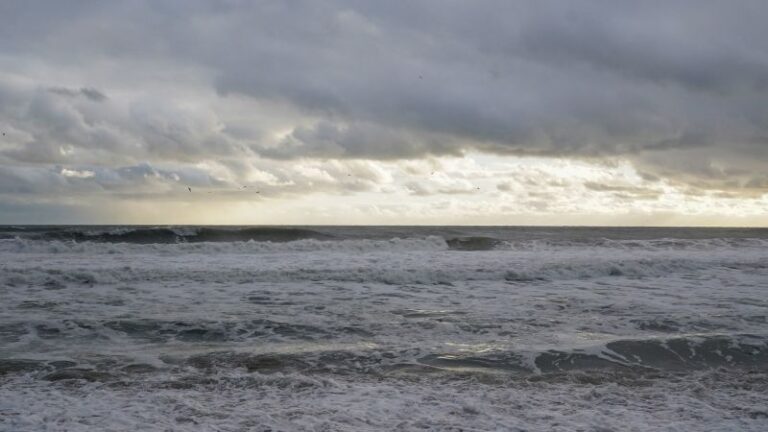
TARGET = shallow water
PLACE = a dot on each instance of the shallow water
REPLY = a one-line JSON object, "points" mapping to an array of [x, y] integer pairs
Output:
{"points": [[374, 328]]}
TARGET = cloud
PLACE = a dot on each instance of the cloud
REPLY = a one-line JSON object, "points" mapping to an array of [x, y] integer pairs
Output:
{"points": [[89, 93], [359, 140], [61, 125], [624, 191], [135, 179], [234, 91]]}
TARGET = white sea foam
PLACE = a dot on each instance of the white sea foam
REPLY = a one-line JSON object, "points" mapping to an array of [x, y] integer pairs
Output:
{"points": [[18, 245], [232, 402]]}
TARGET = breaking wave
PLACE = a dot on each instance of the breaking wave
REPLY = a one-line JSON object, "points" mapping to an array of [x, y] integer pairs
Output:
{"points": [[286, 242], [162, 235], [467, 239], [677, 354], [407, 271], [432, 243]]}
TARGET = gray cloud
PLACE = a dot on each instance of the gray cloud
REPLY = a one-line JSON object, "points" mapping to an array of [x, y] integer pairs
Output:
{"points": [[677, 87], [89, 93], [624, 191], [425, 189], [136, 179], [359, 140]]}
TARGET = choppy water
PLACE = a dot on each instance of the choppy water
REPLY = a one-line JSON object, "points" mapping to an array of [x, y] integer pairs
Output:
{"points": [[373, 328]]}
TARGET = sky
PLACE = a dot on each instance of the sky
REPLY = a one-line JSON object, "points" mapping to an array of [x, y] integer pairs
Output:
{"points": [[498, 112]]}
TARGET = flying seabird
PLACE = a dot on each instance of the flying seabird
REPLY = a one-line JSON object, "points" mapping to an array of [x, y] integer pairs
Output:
{"points": [[190, 189]]}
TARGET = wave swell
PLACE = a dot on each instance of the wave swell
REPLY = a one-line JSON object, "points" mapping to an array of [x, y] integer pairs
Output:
{"points": [[327, 237], [164, 235], [680, 354]]}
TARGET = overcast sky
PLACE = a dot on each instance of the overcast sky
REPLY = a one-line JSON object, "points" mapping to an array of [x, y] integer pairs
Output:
{"points": [[456, 112]]}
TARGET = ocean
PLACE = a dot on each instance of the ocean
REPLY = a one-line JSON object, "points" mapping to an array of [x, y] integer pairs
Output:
{"points": [[123, 328]]}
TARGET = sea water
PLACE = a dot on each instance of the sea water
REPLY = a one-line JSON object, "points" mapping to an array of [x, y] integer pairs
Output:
{"points": [[383, 328]]}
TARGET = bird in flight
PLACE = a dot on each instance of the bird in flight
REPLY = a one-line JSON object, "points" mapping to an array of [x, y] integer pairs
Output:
{"points": [[190, 189]]}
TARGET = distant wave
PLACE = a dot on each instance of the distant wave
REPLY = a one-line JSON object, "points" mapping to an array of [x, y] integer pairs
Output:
{"points": [[164, 235], [660, 244], [473, 243], [252, 245], [476, 243], [243, 239]]}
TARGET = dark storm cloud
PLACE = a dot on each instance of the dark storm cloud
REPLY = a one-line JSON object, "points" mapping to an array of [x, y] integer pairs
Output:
{"points": [[678, 87], [550, 78]]}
